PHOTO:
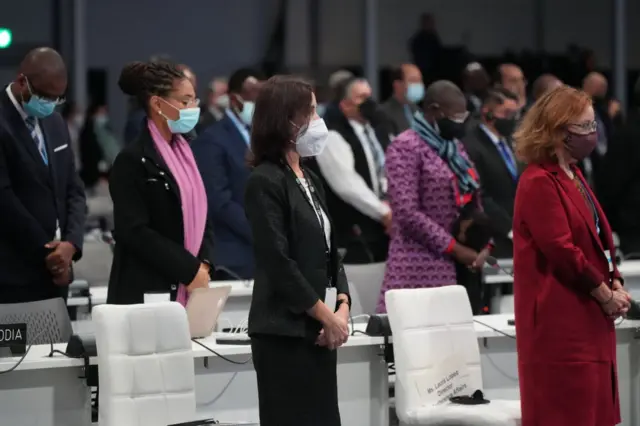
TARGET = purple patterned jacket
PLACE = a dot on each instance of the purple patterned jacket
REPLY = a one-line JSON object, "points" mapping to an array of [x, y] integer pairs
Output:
{"points": [[421, 195]]}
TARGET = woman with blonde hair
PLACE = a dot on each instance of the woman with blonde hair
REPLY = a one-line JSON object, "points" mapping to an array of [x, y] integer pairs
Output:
{"points": [[567, 289]]}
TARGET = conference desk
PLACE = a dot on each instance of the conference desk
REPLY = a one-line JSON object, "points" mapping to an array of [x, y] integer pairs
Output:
{"points": [[237, 307], [46, 391]]}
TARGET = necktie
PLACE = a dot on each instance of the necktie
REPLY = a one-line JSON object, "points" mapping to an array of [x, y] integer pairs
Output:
{"points": [[378, 160], [507, 158], [376, 151], [31, 125]]}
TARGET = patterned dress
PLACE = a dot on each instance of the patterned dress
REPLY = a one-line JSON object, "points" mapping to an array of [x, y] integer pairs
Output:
{"points": [[421, 195]]}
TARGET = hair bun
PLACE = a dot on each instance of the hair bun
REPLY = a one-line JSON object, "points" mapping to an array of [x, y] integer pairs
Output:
{"points": [[131, 76]]}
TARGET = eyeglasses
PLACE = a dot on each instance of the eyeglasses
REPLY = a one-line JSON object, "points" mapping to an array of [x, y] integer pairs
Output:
{"points": [[58, 100], [587, 127], [188, 103]]}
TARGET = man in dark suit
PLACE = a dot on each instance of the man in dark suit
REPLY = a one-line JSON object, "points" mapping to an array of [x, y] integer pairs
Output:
{"points": [[408, 90], [41, 197], [352, 168], [488, 145], [221, 153]]}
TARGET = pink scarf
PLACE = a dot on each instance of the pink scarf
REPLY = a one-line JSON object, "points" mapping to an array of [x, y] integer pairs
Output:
{"points": [[183, 167]]}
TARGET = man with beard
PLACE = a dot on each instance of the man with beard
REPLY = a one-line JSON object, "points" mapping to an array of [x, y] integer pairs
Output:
{"points": [[352, 166]]}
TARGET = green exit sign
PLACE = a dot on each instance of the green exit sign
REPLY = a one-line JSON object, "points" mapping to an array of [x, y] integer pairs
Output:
{"points": [[6, 37]]}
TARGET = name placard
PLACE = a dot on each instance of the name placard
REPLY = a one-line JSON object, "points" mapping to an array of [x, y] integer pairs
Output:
{"points": [[14, 337], [450, 378]]}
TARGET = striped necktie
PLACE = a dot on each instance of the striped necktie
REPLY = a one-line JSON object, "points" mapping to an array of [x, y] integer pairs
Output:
{"points": [[31, 125]]}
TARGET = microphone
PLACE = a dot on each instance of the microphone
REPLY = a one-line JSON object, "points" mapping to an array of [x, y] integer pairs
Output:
{"points": [[492, 261], [358, 234], [231, 274]]}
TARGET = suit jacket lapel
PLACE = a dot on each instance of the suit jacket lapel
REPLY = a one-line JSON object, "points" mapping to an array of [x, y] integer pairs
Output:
{"points": [[21, 133], [578, 200], [492, 148]]}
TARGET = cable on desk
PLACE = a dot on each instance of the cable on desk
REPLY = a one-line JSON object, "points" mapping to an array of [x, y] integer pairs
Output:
{"points": [[56, 351], [511, 336], [24, 355], [351, 320], [222, 356]]}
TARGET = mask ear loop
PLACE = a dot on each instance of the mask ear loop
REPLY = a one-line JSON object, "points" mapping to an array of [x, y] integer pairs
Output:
{"points": [[162, 114]]}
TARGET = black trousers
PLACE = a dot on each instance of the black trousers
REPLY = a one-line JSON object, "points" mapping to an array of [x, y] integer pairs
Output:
{"points": [[472, 282], [297, 382]]}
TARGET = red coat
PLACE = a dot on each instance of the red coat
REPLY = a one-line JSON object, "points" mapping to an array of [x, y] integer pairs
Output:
{"points": [[566, 344]]}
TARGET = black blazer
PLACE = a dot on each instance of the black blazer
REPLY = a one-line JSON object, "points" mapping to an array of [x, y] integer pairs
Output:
{"points": [[33, 195], [498, 188], [149, 253], [292, 273]]}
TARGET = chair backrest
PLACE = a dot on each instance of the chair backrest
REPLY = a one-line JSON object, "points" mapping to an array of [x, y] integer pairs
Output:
{"points": [[365, 281], [145, 364], [433, 337], [47, 320]]}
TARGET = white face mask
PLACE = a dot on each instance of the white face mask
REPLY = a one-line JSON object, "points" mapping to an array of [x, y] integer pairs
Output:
{"points": [[312, 142], [222, 101]]}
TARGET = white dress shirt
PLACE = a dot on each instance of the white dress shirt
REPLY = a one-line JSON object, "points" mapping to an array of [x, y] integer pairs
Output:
{"points": [[496, 141], [326, 225], [337, 165], [23, 114]]}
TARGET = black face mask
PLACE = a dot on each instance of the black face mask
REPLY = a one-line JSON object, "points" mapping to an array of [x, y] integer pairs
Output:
{"points": [[368, 110], [450, 130], [505, 126]]}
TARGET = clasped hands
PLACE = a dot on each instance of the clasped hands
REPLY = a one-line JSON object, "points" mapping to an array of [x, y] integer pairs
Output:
{"points": [[59, 261], [619, 301], [335, 329], [469, 257]]}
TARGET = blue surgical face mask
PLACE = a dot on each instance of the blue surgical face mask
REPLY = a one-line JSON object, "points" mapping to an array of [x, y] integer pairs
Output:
{"points": [[246, 115], [415, 92], [38, 107], [186, 121]]}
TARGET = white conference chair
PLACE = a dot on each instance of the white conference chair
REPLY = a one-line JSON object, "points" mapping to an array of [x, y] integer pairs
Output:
{"points": [[433, 336], [145, 364]]}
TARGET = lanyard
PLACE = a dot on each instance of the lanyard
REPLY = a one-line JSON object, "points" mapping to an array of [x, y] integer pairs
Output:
{"points": [[596, 217], [314, 204], [586, 194]]}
